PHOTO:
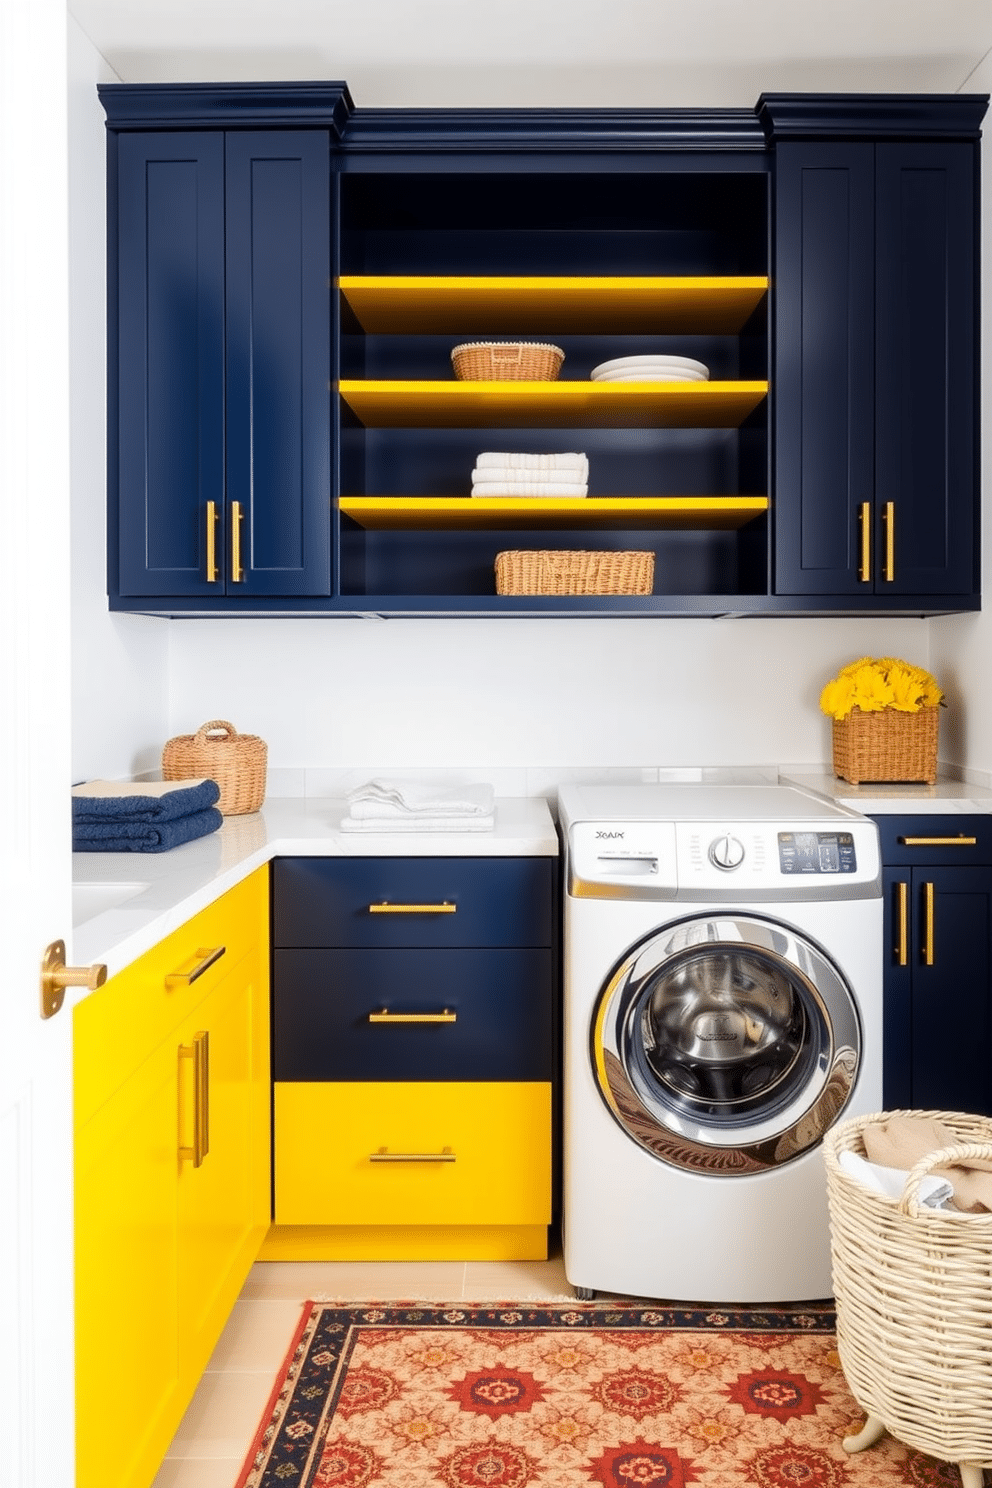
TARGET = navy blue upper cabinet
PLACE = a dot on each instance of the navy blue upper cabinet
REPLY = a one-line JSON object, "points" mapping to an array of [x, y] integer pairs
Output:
{"points": [[874, 366], [222, 406]]}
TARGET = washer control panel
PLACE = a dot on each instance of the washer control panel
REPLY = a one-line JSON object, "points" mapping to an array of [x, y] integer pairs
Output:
{"points": [[726, 852]]}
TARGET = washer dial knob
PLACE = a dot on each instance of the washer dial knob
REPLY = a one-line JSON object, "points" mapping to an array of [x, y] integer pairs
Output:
{"points": [[726, 852]]}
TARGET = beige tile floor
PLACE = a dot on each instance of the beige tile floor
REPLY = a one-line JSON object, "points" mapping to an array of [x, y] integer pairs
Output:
{"points": [[209, 1448]]}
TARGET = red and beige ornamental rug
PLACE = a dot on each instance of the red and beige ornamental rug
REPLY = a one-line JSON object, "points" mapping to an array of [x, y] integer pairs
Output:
{"points": [[519, 1396]]}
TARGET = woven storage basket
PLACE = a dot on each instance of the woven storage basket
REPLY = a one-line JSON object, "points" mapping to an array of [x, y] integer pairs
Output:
{"points": [[913, 1289], [889, 745], [542, 571], [236, 761], [507, 361]]}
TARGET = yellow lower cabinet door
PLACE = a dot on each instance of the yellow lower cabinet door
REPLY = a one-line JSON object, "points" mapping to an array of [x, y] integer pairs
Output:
{"points": [[452, 1153], [127, 1368]]}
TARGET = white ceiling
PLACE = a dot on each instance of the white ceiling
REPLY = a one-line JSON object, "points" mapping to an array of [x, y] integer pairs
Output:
{"points": [[409, 53]]}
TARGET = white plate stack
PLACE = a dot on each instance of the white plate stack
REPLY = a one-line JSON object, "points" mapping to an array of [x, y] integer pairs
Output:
{"points": [[652, 368]]}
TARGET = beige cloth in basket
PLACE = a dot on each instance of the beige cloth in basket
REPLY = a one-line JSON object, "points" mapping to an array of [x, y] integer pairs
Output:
{"points": [[900, 1142]]}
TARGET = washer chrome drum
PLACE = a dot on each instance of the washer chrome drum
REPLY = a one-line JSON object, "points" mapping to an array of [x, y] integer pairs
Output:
{"points": [[726, 1044]]}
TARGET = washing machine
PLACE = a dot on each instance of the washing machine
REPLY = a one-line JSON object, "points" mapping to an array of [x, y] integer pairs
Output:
{"points": [[722, 1010]]}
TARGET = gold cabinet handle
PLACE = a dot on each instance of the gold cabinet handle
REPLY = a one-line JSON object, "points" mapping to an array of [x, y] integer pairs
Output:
{"points": [[383, 1156], [902, 924], [386, 908], [864, 520], [889, 568], [928, 924], [383, 1016], [237, 572], [199, 1052], [959, 841], [194, 966], [56, 976], [212, 542]]}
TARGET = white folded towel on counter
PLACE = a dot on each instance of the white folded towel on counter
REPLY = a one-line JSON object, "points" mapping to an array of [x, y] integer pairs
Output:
{"points": [[418, 822], [484, 474], [934, 1193], [379, 799], [575, 463], [530, 488]]}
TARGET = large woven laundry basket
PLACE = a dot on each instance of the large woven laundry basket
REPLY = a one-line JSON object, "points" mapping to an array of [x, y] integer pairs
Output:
{"points": [[236, 761], [913, 1289]]}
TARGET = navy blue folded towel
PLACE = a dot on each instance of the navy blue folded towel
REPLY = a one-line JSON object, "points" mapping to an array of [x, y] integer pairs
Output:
{"points": [[134, 807], [127, 835]]}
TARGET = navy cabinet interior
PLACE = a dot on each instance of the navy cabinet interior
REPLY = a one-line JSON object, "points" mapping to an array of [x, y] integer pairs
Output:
{"points": [[245, 466], [937, 881]]}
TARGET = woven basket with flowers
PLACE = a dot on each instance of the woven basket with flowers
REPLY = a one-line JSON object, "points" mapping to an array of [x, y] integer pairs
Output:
{"points": [[885, 717]]}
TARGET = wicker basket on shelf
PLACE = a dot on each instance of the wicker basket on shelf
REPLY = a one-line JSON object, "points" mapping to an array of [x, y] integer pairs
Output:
{"points": [[543, 571], [887, 745], [236, 761], [913, 1289], [507, 361]]}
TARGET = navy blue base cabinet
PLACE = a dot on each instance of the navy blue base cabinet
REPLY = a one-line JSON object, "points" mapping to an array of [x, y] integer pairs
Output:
{"points": [[289, 275], [937, 876]]}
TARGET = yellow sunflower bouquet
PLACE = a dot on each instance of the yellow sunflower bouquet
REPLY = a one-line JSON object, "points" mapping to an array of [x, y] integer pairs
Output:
{"points": [[884, 713]]}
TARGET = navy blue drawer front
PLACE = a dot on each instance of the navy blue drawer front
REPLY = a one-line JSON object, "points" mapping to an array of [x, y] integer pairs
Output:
{"points": [[926, 840], [334, 1012], [397, 902]]}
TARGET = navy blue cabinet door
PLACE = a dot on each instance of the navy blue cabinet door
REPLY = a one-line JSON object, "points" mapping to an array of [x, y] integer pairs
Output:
{"points": [[278, 363], [170, 367], [874, 369]]}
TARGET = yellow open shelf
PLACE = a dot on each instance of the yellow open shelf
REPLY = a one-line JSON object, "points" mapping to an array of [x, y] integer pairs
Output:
{"points": [[449, 513], [563, 405], [498, 305]]}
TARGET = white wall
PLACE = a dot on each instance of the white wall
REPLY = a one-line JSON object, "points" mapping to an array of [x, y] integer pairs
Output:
{"points": [[119, 662]]}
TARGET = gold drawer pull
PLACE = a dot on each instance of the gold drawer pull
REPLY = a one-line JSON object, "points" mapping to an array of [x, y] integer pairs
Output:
{"points": [[384, 1016], [199, 1052], [212, 574], [889, 568], [386, 908], [959, 841], [237, 572], [194, 966], [864, 521], [902, 915], [382, 1156], [928, 929]]}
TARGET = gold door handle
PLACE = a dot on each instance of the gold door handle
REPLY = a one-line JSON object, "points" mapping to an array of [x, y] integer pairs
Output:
{"points": [[387, 908], [902, 924], [212, 542], [56, 976], [959, 841], [928, 924], [237, 572], [199, 1052], [889, 518], [383, 1156], [194, 966], [864, 521], [386, 1017]]}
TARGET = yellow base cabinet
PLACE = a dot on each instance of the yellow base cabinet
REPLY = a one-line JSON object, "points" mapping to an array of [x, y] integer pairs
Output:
{"points": [[171, 1062]]}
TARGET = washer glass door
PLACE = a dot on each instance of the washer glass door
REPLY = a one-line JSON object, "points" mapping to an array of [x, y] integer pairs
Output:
{"points": [[726, 1044]]}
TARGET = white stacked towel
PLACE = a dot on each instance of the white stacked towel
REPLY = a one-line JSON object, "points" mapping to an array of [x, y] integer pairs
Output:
{"points": [[407, 806], [501, 473]]}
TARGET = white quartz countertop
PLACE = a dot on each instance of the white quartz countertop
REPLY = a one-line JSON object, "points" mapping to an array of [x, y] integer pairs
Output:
{"points": [[944, 797], [133, 900]]}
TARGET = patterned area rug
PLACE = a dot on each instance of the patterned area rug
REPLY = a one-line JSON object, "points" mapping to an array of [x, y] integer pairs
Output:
{"points": [[525, 1396]]}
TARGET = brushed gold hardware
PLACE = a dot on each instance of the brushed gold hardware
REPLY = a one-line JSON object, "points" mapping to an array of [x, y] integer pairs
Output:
{"points": [[928, 924], [199, 1052], [383, 1016], [959, 841], [864, 519], [194, 966], [56, 976], [386, 908], [211, 542], [383, 1156], [902, 924], [889, 518], [237, 572]]}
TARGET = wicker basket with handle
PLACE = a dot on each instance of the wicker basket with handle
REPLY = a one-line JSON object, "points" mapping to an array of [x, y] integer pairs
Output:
{"points": [[913, 1289], [236, 761], [507, 361], [552, 571], [887, 745]]}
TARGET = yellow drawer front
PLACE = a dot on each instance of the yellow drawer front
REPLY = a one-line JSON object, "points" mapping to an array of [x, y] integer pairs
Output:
{"points": [[116, 1027], [412, 1153]]}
